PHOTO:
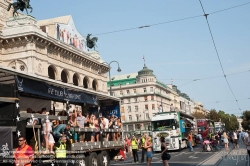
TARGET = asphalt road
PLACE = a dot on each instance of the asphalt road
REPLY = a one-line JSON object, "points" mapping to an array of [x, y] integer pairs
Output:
{"points": [[182, 158]]}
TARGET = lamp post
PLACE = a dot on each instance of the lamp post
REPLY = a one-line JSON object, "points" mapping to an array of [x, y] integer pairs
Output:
{"points": [[119, 70], [161, 99]]}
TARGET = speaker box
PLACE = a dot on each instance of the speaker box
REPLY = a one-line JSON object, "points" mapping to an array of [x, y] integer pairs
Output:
{"points": [[8, 113], [20, 126], [7, 90]]}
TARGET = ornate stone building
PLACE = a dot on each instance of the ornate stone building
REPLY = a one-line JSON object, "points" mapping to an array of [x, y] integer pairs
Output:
{"points": [[142, 95], [51, 49]]}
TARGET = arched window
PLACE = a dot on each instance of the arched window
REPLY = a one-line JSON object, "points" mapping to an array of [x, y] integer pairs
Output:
{"points": [[95, 84], [52, 72], [76, 79], [64, 76], [86, 82]]}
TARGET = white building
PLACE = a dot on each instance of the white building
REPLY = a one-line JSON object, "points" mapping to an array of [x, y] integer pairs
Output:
{"points": [[142, 95]]}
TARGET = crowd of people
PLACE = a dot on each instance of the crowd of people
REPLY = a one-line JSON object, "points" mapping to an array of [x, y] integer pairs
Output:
{"points": [[54, 130], [133, 144], [214, 141]]}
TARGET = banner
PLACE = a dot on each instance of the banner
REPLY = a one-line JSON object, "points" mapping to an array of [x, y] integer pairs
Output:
{"points": [[110, 110], [52, 92], [182, 126], [68, 33], [6, 145]]}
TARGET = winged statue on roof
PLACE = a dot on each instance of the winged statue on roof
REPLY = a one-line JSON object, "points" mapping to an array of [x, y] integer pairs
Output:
{"points": [[91, 42], [20, 5]]}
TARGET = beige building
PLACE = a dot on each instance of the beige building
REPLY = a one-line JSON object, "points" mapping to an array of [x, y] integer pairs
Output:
{"points": [[51, 49], [142, 95], [199, 107]]}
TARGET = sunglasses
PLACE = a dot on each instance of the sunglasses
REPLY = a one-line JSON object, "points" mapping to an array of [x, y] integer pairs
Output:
{"points": [[20, 140]]}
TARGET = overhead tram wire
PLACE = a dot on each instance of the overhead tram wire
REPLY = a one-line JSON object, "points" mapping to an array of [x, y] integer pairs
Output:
{"points": [[147, 26], [226, 101], [229, 8], [206, 78], [218, 55], [167, 22]]}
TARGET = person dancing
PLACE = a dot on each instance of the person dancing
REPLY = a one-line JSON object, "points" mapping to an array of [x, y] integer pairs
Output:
{"points": [[148, 146]]}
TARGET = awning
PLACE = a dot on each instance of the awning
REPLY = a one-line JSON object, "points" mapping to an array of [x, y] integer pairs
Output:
{"points": [[189, 120], [43, 89]]}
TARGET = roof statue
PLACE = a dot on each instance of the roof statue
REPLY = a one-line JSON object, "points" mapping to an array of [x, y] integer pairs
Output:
{"points": [[20, 5], [91, 42]]}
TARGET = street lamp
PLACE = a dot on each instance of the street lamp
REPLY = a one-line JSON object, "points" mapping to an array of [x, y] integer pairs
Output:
{"points": [[161, 99], [119, 70]]}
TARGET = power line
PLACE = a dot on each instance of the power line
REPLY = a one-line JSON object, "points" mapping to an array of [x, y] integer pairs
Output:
{"points": [[218, 55], [230, 8], [167, 22], [147, 26], [196, 79], [226, 100], [206, 78]]}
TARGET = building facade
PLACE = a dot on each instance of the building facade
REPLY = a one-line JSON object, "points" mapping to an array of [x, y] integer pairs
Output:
{"points": [[199, 107], [51, 48], [142, 95], [184, 104]]}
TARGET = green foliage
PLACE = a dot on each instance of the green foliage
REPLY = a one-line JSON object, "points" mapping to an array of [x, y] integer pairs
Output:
{"points": [[246, 120], [230, 121]]}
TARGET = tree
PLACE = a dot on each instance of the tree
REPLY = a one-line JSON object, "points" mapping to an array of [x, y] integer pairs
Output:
{"points": [[213, 115], [230, 121], [198, 115], [246, 120]]}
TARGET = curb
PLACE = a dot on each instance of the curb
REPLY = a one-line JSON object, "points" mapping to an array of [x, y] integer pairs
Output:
{"points": [[220, 160]]}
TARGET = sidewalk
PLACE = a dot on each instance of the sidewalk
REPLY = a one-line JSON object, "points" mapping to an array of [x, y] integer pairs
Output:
{"points": [[233, 157], [236, 157]]}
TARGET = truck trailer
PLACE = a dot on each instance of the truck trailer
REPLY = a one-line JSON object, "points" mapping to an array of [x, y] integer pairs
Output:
{"points": [[18, 90]]}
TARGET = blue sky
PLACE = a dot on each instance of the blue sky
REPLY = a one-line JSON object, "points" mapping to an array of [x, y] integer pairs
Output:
{"points": [[180, 50]]}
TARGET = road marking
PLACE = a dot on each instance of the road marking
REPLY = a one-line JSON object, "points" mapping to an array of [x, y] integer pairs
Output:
{"points": [[207, 159], [193, 157], [158, 162]]}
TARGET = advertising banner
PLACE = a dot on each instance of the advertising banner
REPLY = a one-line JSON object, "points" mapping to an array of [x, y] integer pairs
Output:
{"points": [[67, 33], [6, 146], [52, 92], [110, 110], [182, 126]]}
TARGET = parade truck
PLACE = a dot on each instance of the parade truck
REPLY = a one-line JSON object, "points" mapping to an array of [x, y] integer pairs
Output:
{"points": [[205, 127], [174, 127], [19, 91], [219, 126]]}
